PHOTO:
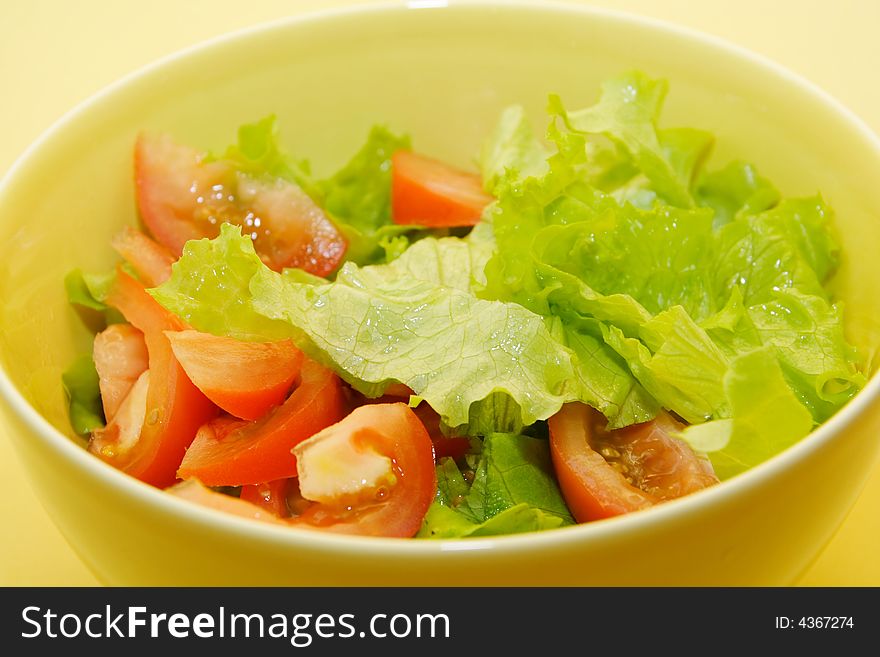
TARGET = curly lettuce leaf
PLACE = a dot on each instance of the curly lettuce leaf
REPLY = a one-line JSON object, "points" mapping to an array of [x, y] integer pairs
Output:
{"points": [[734, 191], [806, 333], [413, 321], [257, 152], [677, 363], [784, 248], [627, 113], [650, 256], [449, 347], [512, 148], [377, 325], [210, 288], [607, 383], [606, 242], [358, 197], [608, 271]]}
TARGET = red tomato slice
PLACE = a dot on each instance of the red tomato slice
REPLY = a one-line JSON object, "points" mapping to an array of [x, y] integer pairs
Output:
{"points": [[175, 408], [245, 379], [650, 455], [271, 496], [231, 452], [452, 446], [608, 473], [120, 356], [125, 428], [150, 260], [196, 492], [371, 474], [182, 197], [426, 192]]}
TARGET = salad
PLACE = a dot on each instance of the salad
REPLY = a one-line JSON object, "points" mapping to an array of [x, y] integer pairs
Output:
{"points": [[593, 324]]}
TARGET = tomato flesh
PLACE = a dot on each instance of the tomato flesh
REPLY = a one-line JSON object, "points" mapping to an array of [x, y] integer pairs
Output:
{"points": [[391, 503], [204, 496], [650, 456], [181, 196], [150, 260], [426, 192], [608, 473], [232, 452], [270, 496], [245, 379], [175, 408], [120, 356], [169, 181]]}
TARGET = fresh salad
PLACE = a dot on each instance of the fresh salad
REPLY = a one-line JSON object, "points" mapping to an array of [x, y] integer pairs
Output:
{"points": [[591, 325]]}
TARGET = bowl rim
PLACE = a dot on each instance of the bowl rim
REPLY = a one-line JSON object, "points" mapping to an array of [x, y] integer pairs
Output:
{"points": [[292, 537]]}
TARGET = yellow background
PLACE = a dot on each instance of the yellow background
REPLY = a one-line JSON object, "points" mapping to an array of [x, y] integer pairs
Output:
{"points": [[54, 54]]}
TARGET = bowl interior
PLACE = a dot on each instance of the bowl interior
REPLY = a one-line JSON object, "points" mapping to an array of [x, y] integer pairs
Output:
{"points": [[442, 75]]}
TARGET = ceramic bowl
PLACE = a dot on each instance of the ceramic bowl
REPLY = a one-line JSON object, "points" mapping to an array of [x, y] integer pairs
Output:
{"points": [[441, 74]]}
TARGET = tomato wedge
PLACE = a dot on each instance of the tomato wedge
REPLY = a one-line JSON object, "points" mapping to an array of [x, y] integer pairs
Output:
{"points": [[196, 492], [270, 496], [245, 379], [120, 356], [181, 197], [128, 421], [452, 446], [175, 408], [371, 474], [150, 260], [230, 452], [608, 473], [426, 192]]}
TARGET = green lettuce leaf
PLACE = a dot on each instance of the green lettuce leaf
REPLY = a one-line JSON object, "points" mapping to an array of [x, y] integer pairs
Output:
{"points": [[652, 256], [606, 382], [375, 326], [618, 247], [80, 382], [413, 321], [91, 290], [734, 191], [209, 288], [512, 147], [444, 522], [784, 248], [513, 470], [766, 417], [514, 491], [451, 486], [258, 153], [358, 197], [806, 333], [85, 290], [677, 363], [627, 113], [449, 347], [608, 271]]}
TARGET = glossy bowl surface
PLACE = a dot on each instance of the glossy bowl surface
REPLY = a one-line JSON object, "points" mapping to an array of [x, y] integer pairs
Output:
{"points": [[442, 74]]}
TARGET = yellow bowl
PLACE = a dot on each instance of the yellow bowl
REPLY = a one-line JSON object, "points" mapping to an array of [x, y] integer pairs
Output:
{"points": [[441, 74]]}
